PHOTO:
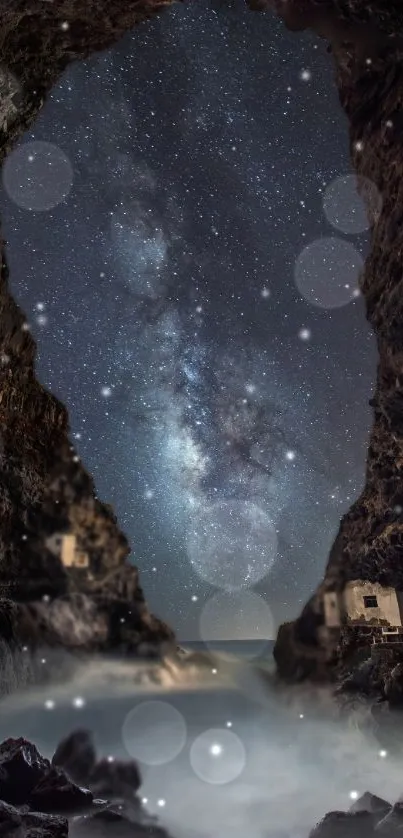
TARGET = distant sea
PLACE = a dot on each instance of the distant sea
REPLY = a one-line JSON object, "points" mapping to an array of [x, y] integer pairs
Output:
{"points": [[246, 649]]}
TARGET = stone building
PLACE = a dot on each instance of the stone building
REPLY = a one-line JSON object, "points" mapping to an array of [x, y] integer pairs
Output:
{"points": [[366, 605], [64, 545]]}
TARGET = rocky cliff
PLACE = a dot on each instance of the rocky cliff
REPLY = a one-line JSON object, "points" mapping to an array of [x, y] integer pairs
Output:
{"points": [[44, 488], [366, 42]]}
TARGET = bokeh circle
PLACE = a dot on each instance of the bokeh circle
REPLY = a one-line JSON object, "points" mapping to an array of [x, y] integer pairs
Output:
{"points": [[154, 732], [37, 175], [237, 615], [231, 544], [327, 272], [351, 203], [218, 756]]}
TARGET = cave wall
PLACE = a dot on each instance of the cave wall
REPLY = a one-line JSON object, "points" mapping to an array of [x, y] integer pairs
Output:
{"points": [[366, 42], [43, 485]]}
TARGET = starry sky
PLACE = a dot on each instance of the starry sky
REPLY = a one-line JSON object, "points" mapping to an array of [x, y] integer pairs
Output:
{"points": [[185, 238]]}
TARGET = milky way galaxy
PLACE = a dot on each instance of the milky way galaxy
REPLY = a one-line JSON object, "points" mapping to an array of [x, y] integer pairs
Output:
{"points": [[194, 293]]}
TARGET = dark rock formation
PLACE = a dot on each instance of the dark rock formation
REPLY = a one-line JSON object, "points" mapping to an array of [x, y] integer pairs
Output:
{"points": [[44, 488], [38, 799], [112, 780], [366, 39], [369, 817]]}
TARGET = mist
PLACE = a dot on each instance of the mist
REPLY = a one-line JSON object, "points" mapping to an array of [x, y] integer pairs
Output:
{"points": [[282, 758]]}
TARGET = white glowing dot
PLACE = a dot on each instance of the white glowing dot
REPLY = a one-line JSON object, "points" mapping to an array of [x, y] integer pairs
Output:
{"points": [[149, 494], [78, 702], [25, 327], [250, 388], [305, 75], [25, 648], [40, 306], [359, 145], [353, 795], [111, 759], [216, 750], [154, 569], [229, 724], [102, 274], [43, 660], [76, 458], [356, 292], [214, 671], [383, 754], [290, 455], [304, 334], [161, 802], [46, 598], [194, 598], [368, 61], [65, 25], [49, 704], [144, 800], [31, 158], [389, 123], [42, 320], [265, 293], [301, 715], [106, 391], [199, 309]]}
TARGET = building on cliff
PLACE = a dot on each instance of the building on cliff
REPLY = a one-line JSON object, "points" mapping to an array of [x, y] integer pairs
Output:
{"points": [[368, 607], [64, 546]]}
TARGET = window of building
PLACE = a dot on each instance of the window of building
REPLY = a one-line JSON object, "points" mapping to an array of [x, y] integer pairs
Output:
{"points": [[371, 602]]}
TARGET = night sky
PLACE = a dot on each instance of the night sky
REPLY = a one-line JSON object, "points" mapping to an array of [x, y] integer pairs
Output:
{"points": [[187, 253]]}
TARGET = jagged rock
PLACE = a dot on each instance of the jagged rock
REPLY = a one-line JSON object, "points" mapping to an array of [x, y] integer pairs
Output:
{"points": [[371, 803], [76, 755], [111, 821], [18, 824], [394, 685], [41, 789], [115, 779], [345, 825], [21, 769], [391, 826], [56, 793], [39, 825]]}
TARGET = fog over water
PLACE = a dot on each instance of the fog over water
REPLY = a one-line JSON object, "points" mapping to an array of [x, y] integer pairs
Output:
{"points": [[223, 751]]}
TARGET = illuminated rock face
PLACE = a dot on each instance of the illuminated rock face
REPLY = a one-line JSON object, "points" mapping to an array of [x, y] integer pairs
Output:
{"points": [[44, 489]]}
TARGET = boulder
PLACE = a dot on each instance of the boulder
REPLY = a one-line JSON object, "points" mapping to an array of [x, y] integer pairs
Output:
{"points": [[56, 793], [76, 755], [16, 824], [21, 769], [345, 825], [371, 803]]}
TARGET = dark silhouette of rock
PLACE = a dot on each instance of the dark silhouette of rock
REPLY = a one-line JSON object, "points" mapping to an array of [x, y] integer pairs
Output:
{"points": [[76, 754], [56, 793], [21, 769], [345, 825], [111, 779], [111, 821], [40, 790], [115, 779], [371, 803], [391, 826], [21, 824]]}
